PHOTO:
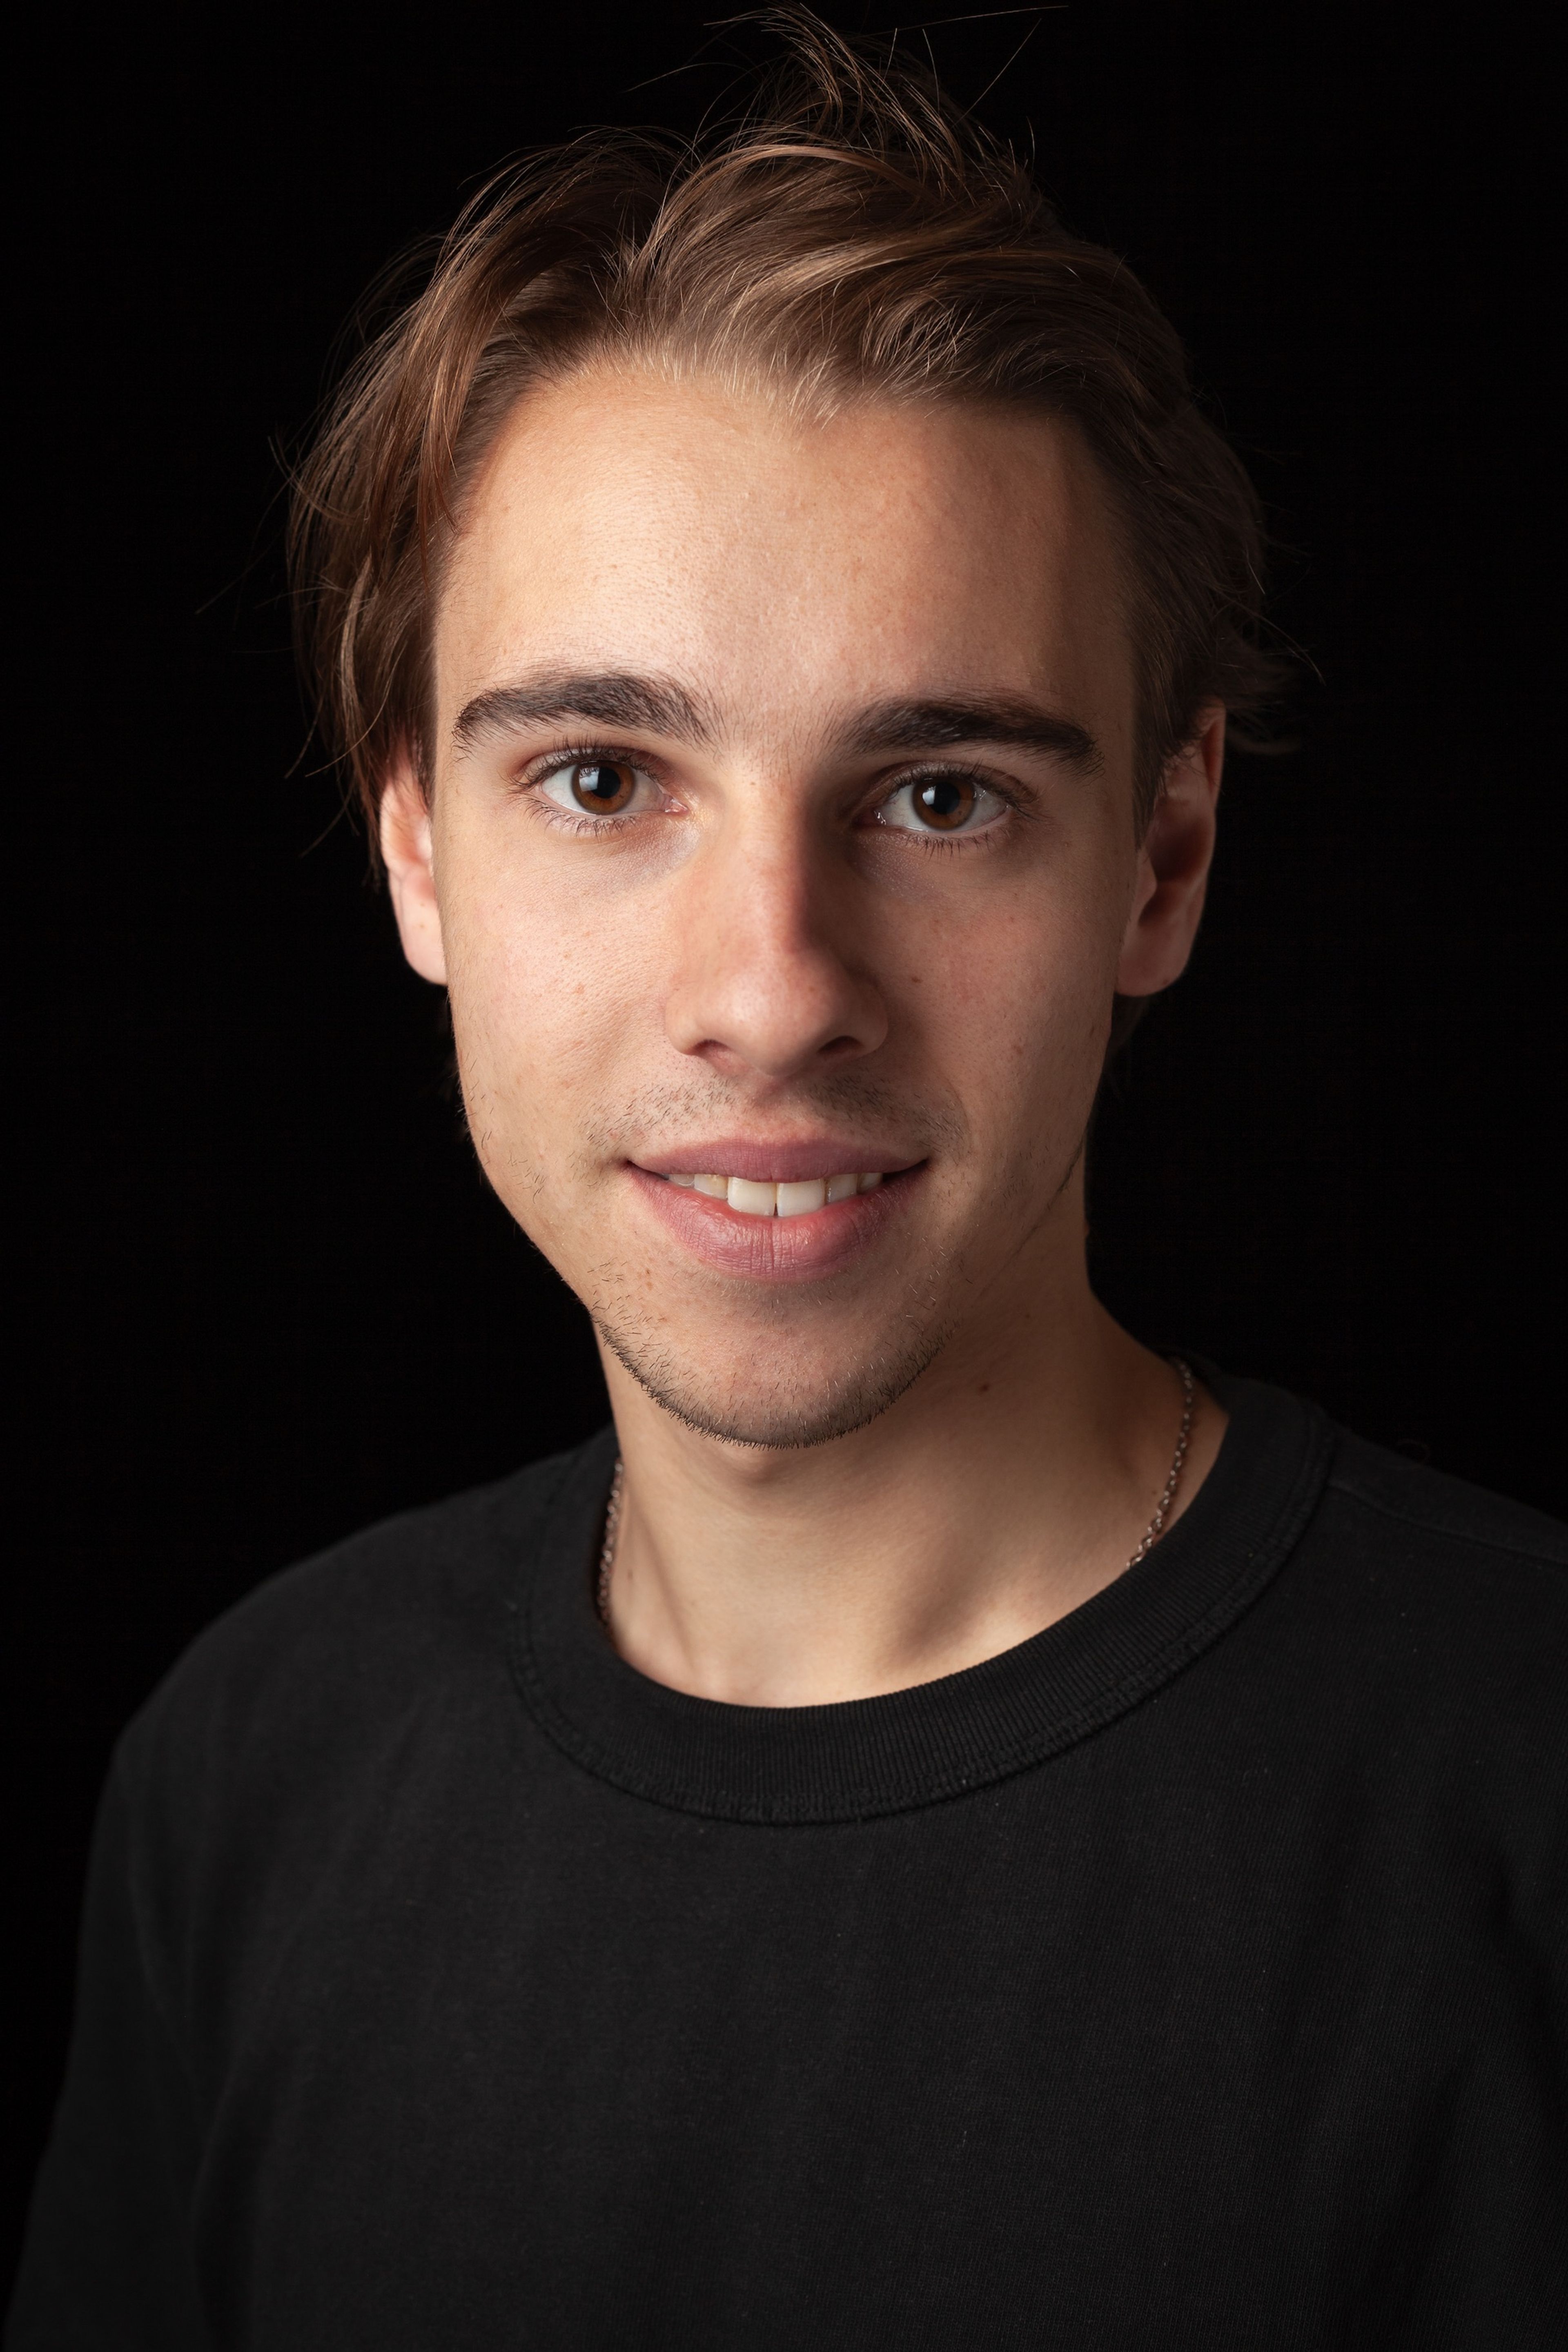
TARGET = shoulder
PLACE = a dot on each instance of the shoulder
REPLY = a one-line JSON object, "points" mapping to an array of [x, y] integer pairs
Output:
{"points": [[1425, 1619], [1408, 1665], [352, 1713], [1411, 1518], [1446, 1607], [1373, 1530], [411, 1614]]}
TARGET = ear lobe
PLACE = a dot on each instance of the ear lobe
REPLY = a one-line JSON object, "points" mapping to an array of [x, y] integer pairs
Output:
{"points": [[407, 851], [1174, 865]]}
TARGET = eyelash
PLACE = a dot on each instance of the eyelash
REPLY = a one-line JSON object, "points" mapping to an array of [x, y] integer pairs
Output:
{"points": [[578, 822], [581, 825], [950, 844]]}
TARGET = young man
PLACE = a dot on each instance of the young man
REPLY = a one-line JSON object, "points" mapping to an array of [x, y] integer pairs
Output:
{"points": [[942, 1827]]}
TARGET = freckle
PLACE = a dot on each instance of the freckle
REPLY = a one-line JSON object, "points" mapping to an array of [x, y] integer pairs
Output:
{"points": [[984, 1388]]}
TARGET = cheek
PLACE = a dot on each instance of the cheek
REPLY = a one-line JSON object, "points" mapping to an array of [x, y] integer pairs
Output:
{"points": [[537, 1003], [1018, 1003], [1018, 1021], [522, 1005]]}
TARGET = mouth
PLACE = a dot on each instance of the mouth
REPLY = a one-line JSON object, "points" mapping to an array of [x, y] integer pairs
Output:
{"points": [[792, 1213]]}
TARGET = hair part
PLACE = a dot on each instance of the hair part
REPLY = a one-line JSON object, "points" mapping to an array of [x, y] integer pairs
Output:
{"points": [[854, 236]]}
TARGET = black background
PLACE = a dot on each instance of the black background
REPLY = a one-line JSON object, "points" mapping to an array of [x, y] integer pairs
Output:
{"points": [[268, 1296]]}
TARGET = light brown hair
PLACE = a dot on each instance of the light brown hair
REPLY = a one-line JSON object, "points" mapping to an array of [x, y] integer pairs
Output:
{"points": [[853, 235]]}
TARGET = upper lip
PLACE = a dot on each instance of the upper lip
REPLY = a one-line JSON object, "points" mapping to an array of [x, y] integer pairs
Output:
{"points": [[779, 1163]]}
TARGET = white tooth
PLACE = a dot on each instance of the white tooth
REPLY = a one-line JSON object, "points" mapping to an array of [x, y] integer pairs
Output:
{"points": [[716, 1187], [686, 1181], [843, 1188], [799, 1200], [752, 1199], [869, 1183]]}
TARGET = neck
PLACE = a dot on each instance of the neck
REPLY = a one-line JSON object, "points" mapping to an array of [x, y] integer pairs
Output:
{"points": [[1014, 1480]]}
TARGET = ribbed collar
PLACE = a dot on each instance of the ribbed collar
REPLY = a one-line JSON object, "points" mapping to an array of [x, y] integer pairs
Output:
{"points": [[918, 1747]]}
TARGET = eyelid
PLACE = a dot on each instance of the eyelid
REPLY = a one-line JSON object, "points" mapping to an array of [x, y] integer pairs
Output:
{"points": [[536, 778], [578, 755], [649, 766], [997, 787]]}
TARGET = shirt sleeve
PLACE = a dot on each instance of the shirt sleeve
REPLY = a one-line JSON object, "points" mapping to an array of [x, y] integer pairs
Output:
{"points": [[106, 2261]]}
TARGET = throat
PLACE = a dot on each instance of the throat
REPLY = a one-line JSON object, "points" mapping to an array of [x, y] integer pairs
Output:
{"points": [[901, 1556]]}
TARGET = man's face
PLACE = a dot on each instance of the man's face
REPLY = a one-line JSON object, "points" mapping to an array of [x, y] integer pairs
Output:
{"points": [[782, 831]]}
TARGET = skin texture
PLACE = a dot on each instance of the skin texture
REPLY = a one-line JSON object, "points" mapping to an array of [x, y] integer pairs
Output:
{"points": [[876, 1445]]}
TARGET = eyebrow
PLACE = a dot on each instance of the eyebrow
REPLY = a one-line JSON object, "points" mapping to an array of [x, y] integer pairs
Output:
{"points": [[608, 697], [1011, 719], [663, 707]]}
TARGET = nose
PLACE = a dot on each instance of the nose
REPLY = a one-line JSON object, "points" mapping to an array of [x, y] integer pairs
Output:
{"points": [[768, 981]]}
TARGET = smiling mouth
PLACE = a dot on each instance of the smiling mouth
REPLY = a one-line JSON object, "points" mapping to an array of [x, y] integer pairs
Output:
{"points": [[800, 1198]]}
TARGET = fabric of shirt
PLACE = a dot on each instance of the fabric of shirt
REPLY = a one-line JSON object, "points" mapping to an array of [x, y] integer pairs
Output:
{"points": [[1193, 1974]]}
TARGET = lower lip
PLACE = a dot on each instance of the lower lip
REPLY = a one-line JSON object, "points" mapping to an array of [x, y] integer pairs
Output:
{"points": [[775, 1249]]}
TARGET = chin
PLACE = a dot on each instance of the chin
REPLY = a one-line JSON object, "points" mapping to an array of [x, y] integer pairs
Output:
{"points": [[761, 1397]]}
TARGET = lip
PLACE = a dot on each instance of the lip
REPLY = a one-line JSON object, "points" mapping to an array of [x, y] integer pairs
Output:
{"points": [[774, 1249], [779, 1163]]}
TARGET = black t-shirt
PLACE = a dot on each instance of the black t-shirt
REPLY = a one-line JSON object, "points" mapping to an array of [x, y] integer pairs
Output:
{"points": [[1193, 1974]]}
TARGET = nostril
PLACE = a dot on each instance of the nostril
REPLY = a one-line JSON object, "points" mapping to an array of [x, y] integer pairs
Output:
{"points": [[841, 1045]]}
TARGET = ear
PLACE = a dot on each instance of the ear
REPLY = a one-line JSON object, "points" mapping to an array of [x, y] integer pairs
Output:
{"points": [[1174, 865], [407, 851]]}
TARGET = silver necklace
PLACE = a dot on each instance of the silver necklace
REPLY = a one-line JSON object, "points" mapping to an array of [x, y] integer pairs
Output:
{"points": [[607, 1555], [1148, 1539]]}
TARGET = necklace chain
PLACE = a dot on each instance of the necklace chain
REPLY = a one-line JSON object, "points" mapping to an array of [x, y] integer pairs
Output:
{"points": [[1147, 1541], [607, 1555]]}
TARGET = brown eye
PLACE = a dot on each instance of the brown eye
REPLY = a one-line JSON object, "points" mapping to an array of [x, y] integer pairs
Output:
{"points": [[603, 787], [945, 803], [953, 804]]}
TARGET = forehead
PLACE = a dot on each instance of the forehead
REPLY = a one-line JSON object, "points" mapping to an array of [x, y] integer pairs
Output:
{"points": [[786, 568]]}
